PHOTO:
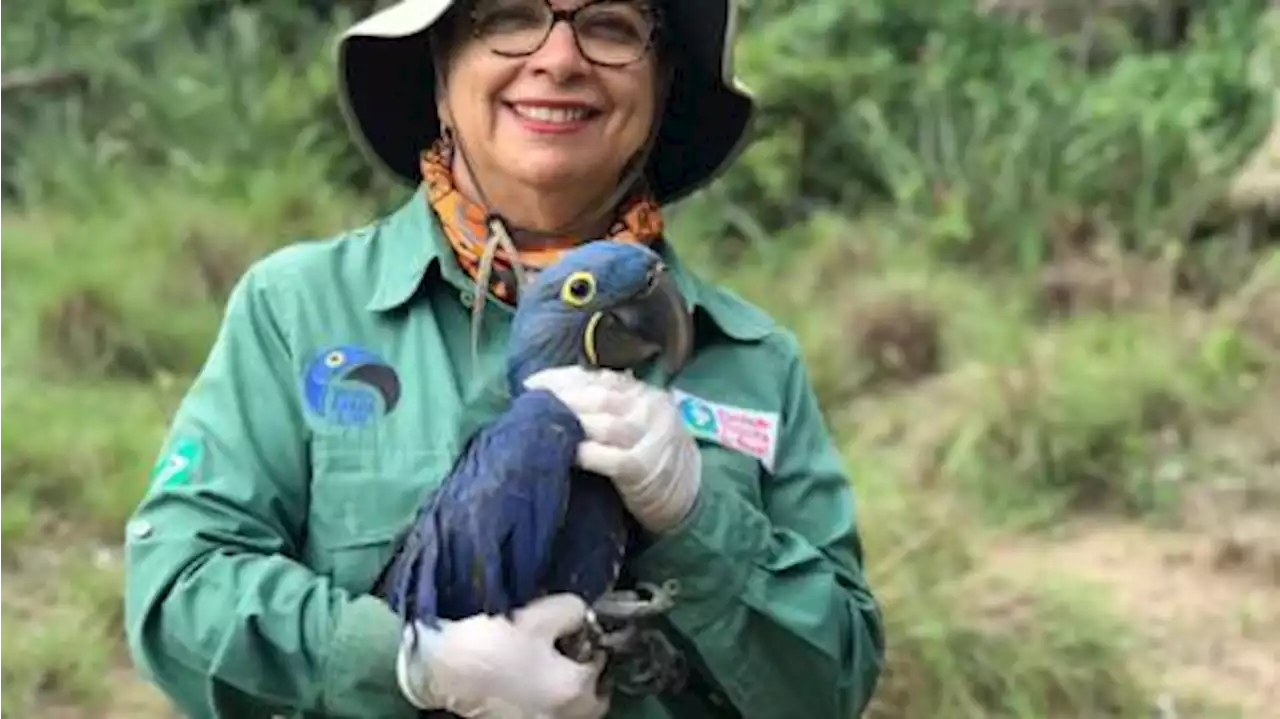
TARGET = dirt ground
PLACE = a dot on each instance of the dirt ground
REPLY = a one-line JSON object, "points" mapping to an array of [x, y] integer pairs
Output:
{"points": [[1206, 603]]}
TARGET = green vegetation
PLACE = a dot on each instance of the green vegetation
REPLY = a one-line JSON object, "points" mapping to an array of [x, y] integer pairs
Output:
{"points": [[1040, 320]]}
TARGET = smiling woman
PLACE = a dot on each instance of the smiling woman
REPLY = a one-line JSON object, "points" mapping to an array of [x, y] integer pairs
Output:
{"points": [[344, 390]]}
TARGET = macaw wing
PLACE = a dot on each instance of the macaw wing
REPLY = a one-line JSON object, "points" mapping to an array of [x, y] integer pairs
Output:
{"points": [[589, 551], [483, 538]]}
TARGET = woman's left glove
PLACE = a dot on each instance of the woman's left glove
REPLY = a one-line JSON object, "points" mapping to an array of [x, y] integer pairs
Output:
{"points": [[634, 437]]}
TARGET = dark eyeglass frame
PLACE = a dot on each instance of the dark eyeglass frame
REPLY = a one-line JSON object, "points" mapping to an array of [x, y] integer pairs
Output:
{"points": [[569, 16]]}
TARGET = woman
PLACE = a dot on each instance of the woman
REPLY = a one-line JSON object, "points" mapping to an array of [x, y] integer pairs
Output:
{"points": [[530, 125]]}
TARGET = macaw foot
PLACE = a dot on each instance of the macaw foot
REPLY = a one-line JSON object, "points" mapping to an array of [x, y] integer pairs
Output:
{"points": [[649, 664], [641, 658]]}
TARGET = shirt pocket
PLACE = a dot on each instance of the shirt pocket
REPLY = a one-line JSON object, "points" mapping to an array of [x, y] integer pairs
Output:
{"points": [[363, 499], [731, 469]]}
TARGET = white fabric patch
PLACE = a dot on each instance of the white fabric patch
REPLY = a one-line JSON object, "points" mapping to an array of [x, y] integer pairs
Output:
{"points": [[751, 432]]}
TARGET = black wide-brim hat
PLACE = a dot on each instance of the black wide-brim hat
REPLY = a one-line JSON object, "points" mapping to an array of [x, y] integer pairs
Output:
{"points": [[387, 89]]}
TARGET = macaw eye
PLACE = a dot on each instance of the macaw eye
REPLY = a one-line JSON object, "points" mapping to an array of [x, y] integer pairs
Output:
{"points": [[579, 289], [335, 358]]}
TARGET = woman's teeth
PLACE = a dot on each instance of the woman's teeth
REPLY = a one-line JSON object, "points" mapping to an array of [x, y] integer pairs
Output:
{"points": [[552, 114]]}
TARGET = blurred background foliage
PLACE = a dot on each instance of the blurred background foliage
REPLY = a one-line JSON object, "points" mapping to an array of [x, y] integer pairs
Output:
{"points": [[938, 109]]}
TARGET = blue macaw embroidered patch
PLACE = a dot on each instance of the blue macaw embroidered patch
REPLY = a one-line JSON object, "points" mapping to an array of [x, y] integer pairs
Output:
{"points": [[350, 386]]}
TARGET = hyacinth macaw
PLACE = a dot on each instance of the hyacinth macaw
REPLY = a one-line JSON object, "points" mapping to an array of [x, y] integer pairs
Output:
{"points": [[514, 519]]}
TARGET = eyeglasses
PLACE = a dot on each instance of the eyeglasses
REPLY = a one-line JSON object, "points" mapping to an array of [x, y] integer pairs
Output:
{"points": [[612, 33]]}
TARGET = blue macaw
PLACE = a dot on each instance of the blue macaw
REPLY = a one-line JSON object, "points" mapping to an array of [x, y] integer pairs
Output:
{"points": [[515, 519]]}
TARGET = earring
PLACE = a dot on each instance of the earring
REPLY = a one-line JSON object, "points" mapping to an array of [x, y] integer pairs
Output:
{"points": [[447, 144]]}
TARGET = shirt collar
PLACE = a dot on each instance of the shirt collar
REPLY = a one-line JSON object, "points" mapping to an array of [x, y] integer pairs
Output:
{"points": [[731, 315], [410, 240]]}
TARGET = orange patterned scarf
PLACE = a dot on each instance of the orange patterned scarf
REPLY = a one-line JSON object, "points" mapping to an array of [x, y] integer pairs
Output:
{"points": [[639, 219]]}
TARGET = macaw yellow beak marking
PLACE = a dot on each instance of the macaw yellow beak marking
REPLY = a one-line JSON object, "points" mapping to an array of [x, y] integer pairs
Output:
{"points": [[589, 339]]}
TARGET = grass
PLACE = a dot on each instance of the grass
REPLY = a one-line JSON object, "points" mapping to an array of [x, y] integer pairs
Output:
{"points": [[62, 638], [965, 641], [1004, 354]]}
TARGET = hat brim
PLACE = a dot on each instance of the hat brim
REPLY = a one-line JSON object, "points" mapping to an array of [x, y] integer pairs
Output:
{"points": [[388, 97]]}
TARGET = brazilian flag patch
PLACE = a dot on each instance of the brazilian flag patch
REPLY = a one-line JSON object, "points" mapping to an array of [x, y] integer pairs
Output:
{"points": [[180, 464]]}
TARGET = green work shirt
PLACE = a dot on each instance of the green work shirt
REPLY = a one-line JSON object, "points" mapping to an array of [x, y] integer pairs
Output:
{"points": [[277, 498]]}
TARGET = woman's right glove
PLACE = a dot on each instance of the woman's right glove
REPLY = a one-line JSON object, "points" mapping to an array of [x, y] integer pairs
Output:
{"points": [[488, 667]]}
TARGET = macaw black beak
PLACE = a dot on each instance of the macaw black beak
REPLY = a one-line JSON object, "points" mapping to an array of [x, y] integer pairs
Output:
{"points": [[655, 323]]}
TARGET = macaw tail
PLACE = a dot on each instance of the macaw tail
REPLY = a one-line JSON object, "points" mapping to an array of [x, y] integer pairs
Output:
{"points": [[408, 582]]}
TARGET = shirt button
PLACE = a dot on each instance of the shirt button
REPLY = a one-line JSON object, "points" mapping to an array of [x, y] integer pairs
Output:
{"points": [[140, 529], [467, 298]]}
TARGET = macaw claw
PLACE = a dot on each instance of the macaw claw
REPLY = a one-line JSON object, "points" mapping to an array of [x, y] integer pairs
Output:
{"points": [[641, 659], [647, 600]]}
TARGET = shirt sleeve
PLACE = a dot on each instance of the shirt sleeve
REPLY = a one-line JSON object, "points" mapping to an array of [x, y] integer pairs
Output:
{"points": [[775, 601], [219, 612]]}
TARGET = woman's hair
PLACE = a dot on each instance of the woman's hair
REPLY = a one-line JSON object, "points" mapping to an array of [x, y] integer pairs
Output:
{"points": [[445, 34]]}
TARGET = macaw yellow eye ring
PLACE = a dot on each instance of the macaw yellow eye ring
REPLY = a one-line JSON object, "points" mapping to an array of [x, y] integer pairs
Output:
{"points": [[335, 358], [578, 289]]}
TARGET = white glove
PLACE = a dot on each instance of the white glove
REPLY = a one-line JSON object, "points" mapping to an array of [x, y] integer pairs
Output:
{"points": [[486, 667], [634, 437]]}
